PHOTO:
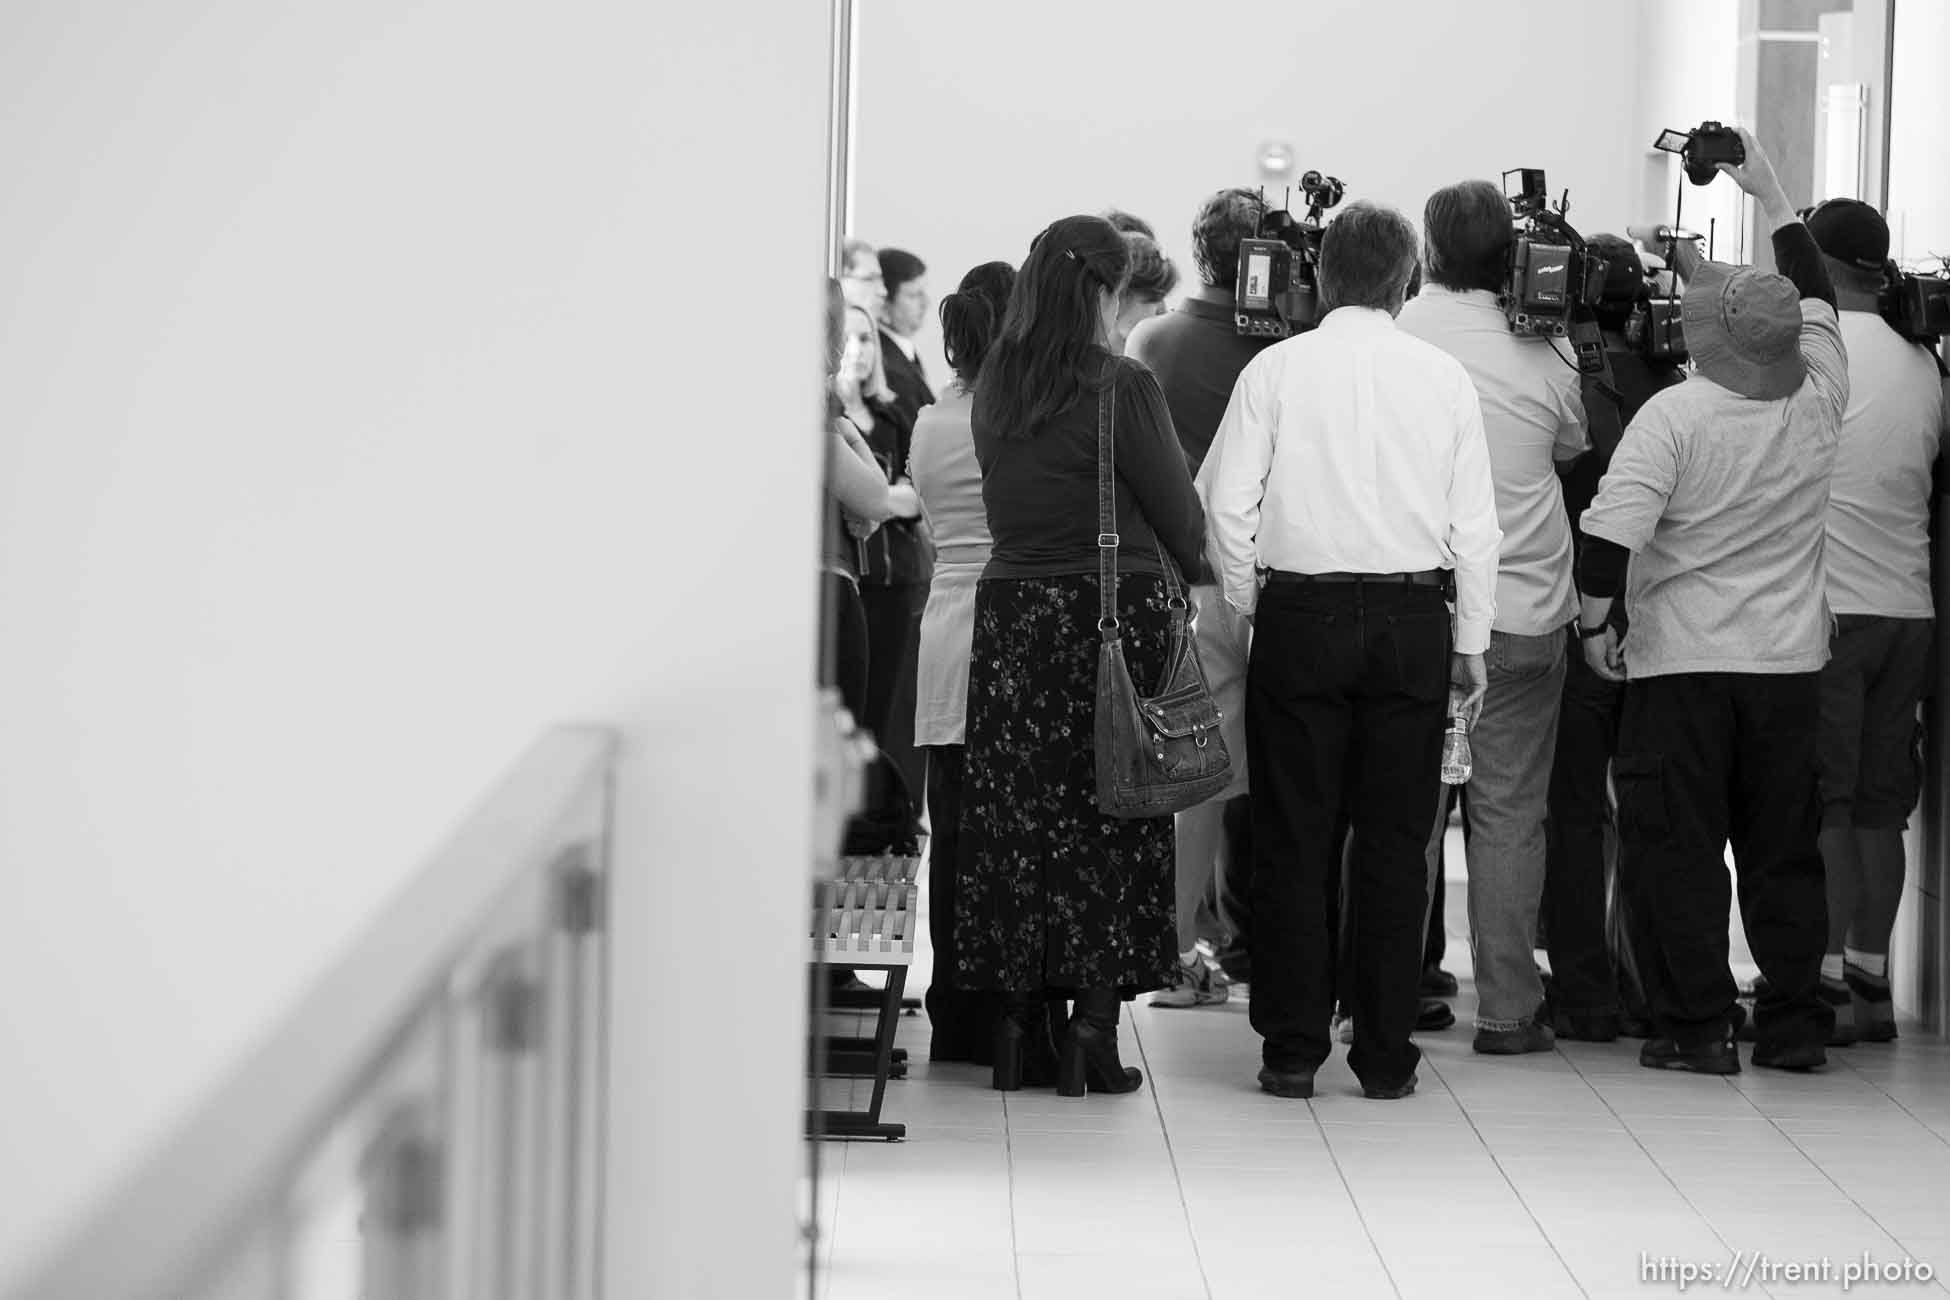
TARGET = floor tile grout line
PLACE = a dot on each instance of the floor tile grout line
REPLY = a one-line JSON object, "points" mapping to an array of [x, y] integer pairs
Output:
{"points": [[1015, 1237], [1171, 1154], [1896, 1102], [1657, 1164], [1803, 1152], [1353, 1200], [1522, 1200]]}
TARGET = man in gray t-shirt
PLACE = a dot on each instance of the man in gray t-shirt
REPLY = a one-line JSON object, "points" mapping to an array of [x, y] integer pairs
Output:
{"points": [[1879, 588], [1718, 495]]}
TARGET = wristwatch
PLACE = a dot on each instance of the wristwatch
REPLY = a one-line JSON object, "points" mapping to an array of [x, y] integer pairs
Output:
{"points": [[1589, 633]]}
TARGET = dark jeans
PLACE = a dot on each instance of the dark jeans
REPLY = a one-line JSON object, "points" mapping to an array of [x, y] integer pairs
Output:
{"points": [[844, 652], [1345, 698], [1583, 981], [960, 1018], [893, 616], [1704, 759], [1232, 889]]}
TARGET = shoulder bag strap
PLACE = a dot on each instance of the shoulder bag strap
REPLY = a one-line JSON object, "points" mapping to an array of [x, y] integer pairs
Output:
{"points": [[1107, 513]]}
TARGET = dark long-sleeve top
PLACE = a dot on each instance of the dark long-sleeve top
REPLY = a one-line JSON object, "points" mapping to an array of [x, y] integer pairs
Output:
{"points": [[1602, 563], [1040, 492]]}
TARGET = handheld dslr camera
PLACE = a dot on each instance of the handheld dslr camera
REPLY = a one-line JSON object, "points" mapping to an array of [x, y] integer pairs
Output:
{"points": [[1916, 306], [1702, 148], [1656, 331], [1554, 281], [1278, 290]]}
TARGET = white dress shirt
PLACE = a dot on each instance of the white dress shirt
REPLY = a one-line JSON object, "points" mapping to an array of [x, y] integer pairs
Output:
{"points": [[1355, 448], [1533, 417]]}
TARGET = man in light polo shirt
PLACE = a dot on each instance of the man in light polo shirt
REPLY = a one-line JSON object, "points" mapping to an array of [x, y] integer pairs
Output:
{"points": [[1533, 417], [1879, 588], [1197, 354], [1718, 496]]}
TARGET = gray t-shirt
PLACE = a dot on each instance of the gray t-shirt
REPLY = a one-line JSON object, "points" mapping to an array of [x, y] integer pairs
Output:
{"points": [[1723, 501], [1879, 497]]}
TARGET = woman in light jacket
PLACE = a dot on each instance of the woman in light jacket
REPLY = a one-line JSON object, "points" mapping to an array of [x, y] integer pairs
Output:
{"points": [[949, 480]]}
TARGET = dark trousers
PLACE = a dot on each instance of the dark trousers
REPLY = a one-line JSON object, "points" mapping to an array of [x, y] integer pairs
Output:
{"points": [[843, 658], [893, 615], [960, 1018], [1232, 888], [1582, 978], [1704, 759], [1345, 695]]}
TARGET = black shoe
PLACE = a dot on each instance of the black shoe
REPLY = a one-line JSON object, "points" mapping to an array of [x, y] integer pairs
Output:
{"points": [[1087, 1061], [1395, 1093], [1437, 983], [1435, 1015], [1631, 1026], [1791, 1056], [1296, 1082], [1024, 1053], [1531, 1037], [1593, 1027], [1710, 1058]]}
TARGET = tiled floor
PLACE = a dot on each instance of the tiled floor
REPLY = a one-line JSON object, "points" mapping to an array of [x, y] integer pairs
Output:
{"points": [[1567, 1174]]}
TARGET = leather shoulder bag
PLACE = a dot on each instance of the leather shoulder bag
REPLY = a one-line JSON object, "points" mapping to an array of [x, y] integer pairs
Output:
{"points": [[1162, 753]]}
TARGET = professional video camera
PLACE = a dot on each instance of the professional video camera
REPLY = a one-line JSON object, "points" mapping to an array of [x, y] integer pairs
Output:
{"points": [[1657, 332], [1278, 290], [1702, 148], [1916, 306], [1554, 281]]}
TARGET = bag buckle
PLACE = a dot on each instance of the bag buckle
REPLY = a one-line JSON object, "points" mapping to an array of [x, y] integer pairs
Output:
{"points": [[1107, 540]]}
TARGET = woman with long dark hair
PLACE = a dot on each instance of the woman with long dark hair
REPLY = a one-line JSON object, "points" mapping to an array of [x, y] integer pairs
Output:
{"points": [[949, 480], [1058, 899]]}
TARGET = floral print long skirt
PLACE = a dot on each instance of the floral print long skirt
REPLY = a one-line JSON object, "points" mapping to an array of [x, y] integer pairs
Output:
{"points": [[1054, 893]]}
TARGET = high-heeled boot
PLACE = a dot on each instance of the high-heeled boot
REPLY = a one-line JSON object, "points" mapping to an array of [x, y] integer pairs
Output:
{"points": [[1087, 1060], [1025, 1050]]}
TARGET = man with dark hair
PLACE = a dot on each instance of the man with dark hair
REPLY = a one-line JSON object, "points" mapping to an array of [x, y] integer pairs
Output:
{"points": [[1533, 418], [1878, 556], [901, 318], [1350, 467], [1718, 496], [1197, 354], [1591, 998]]}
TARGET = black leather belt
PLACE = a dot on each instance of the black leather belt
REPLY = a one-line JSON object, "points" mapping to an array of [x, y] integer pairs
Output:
{"points": [[1426, 578]]}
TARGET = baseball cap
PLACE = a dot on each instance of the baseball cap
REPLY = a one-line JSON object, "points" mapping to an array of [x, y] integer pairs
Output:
{"points": [[1851, 231], [1743, 328]]}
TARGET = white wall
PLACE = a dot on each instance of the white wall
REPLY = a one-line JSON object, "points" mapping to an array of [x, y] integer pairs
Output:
{"points": [[978, 126], [364, 410], [1919, 185]]}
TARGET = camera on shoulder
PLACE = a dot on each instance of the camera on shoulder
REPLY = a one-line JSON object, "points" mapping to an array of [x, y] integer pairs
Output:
{"points": [[1555, 282], [1916, 306], [1278, 290]]}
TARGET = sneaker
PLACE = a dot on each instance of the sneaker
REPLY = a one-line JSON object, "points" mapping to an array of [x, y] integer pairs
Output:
{"points": [[1395, 1093], [1875, 1012], [1530, 1037], [1842, 1002], [1587, 1027], [1793, 1056], [1711, 1058], [1191, 986], [1295, 1082]]}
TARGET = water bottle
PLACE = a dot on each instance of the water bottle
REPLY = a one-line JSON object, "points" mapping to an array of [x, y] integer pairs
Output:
{"points": [[1456, 760]]}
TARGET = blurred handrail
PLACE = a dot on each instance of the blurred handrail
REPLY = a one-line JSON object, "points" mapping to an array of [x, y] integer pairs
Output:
{"points": [[185, 1201]]}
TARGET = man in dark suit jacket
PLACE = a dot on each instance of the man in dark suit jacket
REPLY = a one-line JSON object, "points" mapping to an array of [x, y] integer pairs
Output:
{"points": [[901, 319]]}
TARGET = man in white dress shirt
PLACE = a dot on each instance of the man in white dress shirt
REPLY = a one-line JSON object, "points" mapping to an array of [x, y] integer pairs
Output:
{"points": [[1352, 471], [1533, 418]]}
